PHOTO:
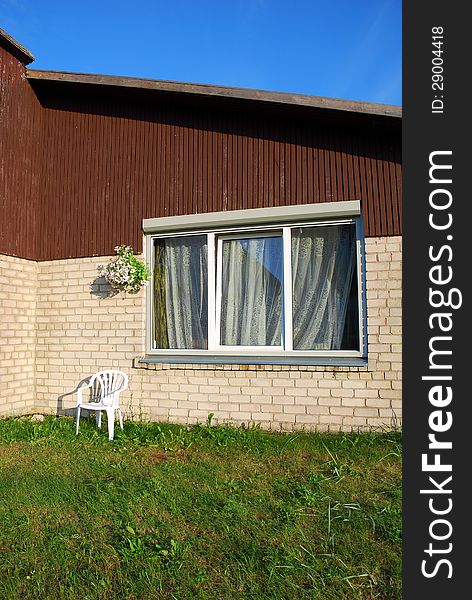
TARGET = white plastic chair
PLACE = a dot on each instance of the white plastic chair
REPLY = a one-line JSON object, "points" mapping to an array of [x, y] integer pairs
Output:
{"points": [[106, 387]]}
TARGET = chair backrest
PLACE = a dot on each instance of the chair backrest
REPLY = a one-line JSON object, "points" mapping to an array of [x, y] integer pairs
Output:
{"points": [[107, 385]]}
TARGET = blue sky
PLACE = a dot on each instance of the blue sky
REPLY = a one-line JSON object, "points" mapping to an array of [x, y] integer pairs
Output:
{"points": [[337, 48]]}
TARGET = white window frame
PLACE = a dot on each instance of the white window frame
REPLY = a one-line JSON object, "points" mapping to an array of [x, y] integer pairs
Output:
{"points": [[215, 235], [219, 294]]}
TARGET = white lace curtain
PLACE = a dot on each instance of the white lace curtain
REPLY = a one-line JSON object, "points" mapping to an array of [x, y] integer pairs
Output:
{"points": [[323, 265], [323, 261], [251, 304], [180, 293]]}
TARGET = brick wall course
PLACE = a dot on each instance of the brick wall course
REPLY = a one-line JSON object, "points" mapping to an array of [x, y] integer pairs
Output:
{"points": [[78, 332], [18, 300]]}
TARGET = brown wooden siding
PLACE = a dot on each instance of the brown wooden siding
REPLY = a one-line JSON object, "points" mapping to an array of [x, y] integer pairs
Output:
{"points": [[108, 164], [20, 114], [81, 168]]}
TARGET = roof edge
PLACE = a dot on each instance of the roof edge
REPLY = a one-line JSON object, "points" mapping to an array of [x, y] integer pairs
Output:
{"points": [[252, 216], [303, 100], [17, 49]]}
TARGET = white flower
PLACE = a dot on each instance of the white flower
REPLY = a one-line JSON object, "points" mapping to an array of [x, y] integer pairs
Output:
{"points": [[125, 271]]}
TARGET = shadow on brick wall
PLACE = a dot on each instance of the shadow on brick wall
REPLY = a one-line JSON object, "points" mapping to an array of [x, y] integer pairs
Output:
{"points": [[69, 412], [102, 289]]}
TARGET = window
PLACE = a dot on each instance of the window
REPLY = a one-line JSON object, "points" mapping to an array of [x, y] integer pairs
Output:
{"points": [[180, 289], [289, 289], [249, 290]]}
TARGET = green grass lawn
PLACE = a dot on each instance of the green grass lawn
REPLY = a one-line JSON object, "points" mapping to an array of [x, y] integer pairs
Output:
{"points": [[197, 512]]}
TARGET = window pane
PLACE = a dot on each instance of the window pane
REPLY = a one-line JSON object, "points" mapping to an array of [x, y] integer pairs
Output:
{"points": [[181, 293], [325, 305], [251, 303]]}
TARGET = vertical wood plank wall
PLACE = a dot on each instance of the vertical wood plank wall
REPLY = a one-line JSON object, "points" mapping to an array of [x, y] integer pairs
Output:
{"points": [[20, 124], [109, 160]]}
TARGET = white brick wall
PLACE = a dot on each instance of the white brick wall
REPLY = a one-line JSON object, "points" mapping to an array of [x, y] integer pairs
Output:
{"points": [[18, 286], [79, 332]]}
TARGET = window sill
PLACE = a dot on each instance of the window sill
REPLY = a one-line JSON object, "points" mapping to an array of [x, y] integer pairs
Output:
{"points": [[246, 363]]}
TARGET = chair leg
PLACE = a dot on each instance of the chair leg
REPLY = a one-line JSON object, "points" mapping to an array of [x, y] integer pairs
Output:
{"points": [[111, 422], [98, 418], [78, 420], [120, 416]]}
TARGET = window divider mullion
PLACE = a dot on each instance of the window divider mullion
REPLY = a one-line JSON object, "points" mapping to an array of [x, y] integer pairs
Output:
{"points": [[287, 291], [212, 341]]}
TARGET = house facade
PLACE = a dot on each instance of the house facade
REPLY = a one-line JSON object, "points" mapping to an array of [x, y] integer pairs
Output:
{"points": [[272, 226]]}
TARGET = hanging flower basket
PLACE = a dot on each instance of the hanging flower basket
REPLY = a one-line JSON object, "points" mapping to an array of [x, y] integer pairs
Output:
{"points": [[125, 272]]}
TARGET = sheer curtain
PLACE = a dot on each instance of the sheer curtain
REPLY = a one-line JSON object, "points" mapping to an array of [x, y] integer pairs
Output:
{"points": [[180, 293], [251, 303], [323, 264]]}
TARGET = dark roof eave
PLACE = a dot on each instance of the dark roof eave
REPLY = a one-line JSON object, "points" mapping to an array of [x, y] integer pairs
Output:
{"points": [[22, 53], [368, 108]]}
